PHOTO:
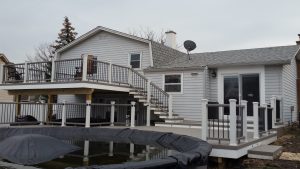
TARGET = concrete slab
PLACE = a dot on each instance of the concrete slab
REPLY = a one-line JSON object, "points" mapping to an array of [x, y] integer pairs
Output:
{"points": [[268, 152]]}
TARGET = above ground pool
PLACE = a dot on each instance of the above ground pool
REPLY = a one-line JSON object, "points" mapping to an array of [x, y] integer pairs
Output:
{"points": [[99, 148]]}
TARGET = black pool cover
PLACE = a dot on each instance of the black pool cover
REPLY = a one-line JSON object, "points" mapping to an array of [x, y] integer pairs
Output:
{"points": [[194, 152]]}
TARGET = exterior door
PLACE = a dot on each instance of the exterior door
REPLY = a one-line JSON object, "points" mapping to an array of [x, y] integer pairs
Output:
{"points": [[231, 90], [250, 90]]}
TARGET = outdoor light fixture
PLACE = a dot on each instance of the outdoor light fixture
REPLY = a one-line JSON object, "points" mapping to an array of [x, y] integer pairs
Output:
{"points": [[213, 73]]}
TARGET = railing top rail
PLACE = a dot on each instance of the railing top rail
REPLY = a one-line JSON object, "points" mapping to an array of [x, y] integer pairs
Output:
{"points": [[68, 60], [217, 105], [158, 88], [38, 62], [12, 64], [99, 61], [120, 66], [136, 72]]}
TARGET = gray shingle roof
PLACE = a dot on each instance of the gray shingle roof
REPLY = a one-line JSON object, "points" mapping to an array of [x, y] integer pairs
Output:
{"points": [[163, 54], [257, 56]]}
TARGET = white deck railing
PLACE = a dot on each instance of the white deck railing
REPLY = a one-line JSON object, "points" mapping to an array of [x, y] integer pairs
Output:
{"points": [[228, 122], [85, 70]]}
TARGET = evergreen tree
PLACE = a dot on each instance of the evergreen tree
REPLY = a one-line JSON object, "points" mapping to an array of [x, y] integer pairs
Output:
{"points": [[67, 34]]}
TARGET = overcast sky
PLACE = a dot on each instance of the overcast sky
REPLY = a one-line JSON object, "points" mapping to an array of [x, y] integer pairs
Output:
{"points": [[213, 24]]}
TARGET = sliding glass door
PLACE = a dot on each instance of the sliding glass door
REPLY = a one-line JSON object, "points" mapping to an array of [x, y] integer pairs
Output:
{"points": [[242, 87]]}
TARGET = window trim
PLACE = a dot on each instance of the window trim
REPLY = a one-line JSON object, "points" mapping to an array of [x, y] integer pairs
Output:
{"points": [[181, 80], [129, 59]]}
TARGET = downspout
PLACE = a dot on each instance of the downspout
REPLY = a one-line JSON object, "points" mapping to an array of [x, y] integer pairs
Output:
{"points": [[204, 81]]}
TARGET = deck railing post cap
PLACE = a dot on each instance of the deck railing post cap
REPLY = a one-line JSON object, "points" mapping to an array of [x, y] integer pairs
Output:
{"points": [[255, 103], [132, 103], [112, 102], [232, 100]]}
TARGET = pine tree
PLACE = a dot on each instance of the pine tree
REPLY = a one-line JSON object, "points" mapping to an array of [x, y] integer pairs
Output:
{"points": [[67, 34]]}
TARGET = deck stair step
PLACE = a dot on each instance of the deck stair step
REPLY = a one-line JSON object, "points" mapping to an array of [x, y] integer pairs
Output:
{"points": [[166, 115], [184, 124], [267, 152], [174, 120]]}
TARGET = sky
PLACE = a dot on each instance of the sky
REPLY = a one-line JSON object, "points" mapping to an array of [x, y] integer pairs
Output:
{"points": [[214, 25]]}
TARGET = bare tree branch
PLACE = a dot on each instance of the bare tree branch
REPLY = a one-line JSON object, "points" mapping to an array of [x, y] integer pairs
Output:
{"points": [[44, 52]]}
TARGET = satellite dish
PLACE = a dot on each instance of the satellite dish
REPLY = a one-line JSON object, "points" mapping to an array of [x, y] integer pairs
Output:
{"points": [[189, 46]]}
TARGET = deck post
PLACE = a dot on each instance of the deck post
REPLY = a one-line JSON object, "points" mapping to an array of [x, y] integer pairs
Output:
{"points": [[170, 106], [25, 72], [132, 120], [43, 112], [266, 116], [130, 76], [148, 118], [131, 150], [1, 73], [110, 73], [84, 67], [18, 106], [244, 122], [63, 115], [255, 121], [53, 70], [86, 149], [204, 119], [88, 110], [112, 113], [273, 105], [232, 122]]}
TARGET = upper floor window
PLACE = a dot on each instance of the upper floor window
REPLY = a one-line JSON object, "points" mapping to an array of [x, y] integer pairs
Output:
{"points": [[173, 83], [135, 60]]}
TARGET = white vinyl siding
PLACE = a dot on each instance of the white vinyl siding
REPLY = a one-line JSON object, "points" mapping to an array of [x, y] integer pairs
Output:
{"points": [[188, 103], [110, 47], [273, 82], [289, 90], [212, 87]]}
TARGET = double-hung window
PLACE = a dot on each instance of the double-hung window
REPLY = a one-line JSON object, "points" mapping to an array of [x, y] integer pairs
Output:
{"points": [[135, 60], [173, 83]]}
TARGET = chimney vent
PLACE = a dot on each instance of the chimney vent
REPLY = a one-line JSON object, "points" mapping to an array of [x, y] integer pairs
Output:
{"points": [[298, 41], [171, 39]]}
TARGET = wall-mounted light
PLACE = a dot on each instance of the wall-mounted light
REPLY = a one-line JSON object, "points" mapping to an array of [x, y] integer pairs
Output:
{"points": [[194, 73], [213, 73]]}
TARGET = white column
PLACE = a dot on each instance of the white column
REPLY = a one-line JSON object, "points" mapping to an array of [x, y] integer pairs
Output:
{"points": [[86, 151], [88, 114], [204, 119], [111, 149], [266, 116], [273, 105], [1, 73], [232, 122], [132, 121], [53, 70], [244, 103], [255, 121], [112, 113], [148, 118], [147, 152], [110, 73], [170, 106], [25, 72], [63, 115], [43, 111], [84, 67]]}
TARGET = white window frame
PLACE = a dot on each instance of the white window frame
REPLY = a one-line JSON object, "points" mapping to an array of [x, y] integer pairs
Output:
{"points": [[129, 59], [181, 80]]}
